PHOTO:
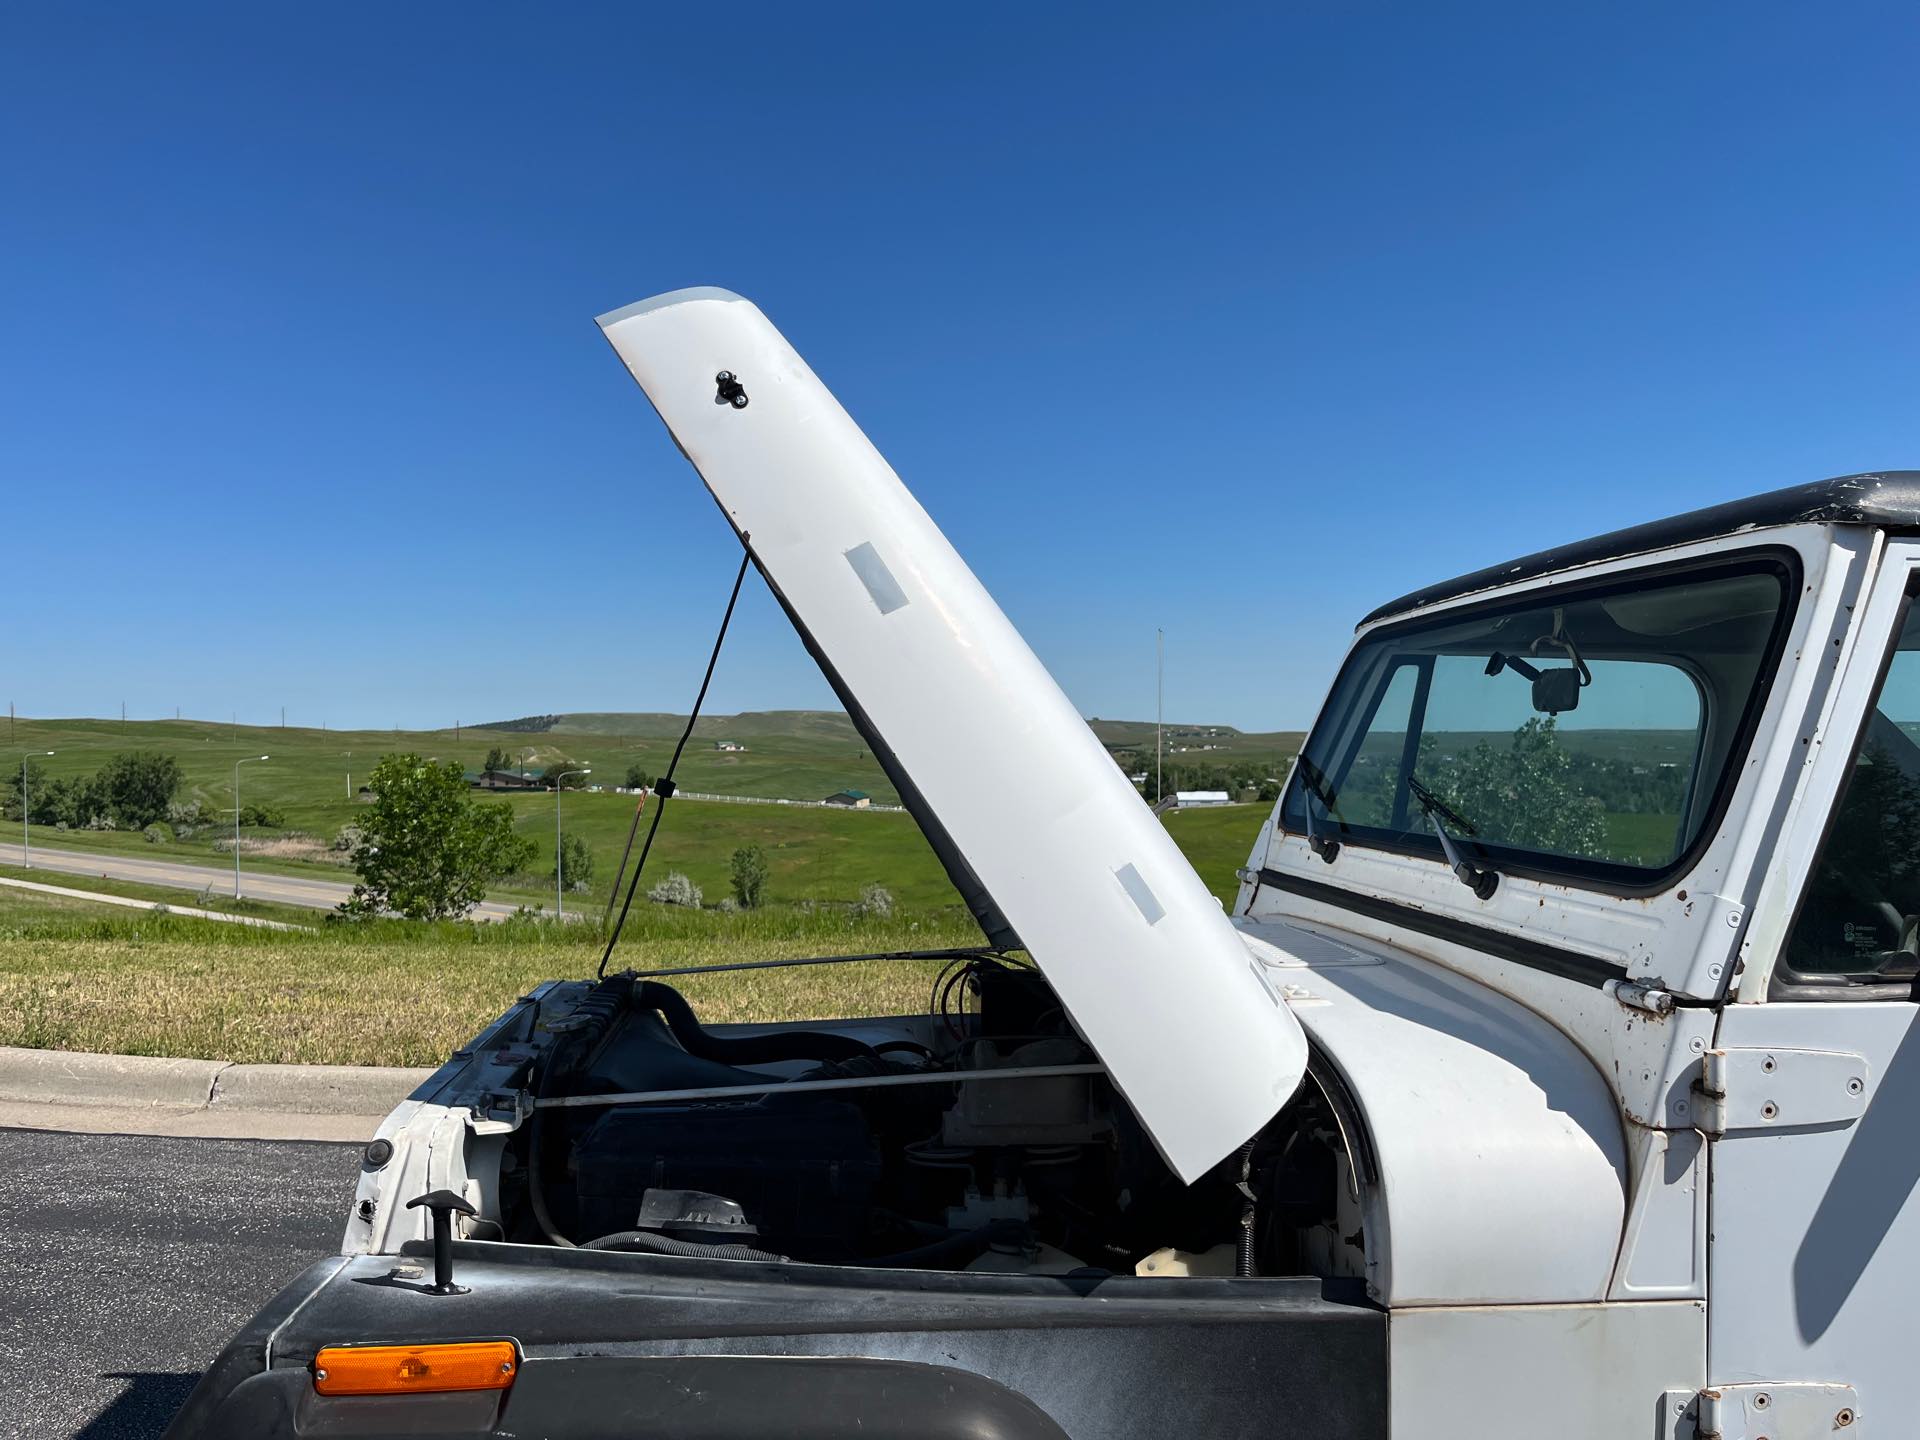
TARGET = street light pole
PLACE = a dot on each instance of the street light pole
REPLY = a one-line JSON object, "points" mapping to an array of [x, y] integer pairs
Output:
{"points": [[243, 760], [26, 810], [559, 863]]}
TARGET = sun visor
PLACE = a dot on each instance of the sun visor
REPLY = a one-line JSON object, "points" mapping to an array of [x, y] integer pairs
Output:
{"points": [[1025, 806]]}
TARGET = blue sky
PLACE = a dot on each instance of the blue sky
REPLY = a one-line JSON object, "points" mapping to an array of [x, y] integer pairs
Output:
{"points": [[1235, 321]]}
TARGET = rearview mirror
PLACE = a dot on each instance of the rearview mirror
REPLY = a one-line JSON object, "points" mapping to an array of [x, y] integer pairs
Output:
{"points": [[1556, 690]]}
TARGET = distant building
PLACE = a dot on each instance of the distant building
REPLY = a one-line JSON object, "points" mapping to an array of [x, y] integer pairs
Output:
{"points": [[853, 799], [731, 745], [1200, 799], [504, 780]]}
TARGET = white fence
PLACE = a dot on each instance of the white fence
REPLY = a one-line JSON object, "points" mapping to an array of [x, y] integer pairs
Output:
{"points": [[867, 809]]}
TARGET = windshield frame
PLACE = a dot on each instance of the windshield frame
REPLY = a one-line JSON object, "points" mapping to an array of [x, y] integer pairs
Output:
{"points": [[1608, 877]]}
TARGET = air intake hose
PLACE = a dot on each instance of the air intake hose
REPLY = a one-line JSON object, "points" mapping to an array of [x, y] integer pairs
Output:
{"points": [[749, 1049]]}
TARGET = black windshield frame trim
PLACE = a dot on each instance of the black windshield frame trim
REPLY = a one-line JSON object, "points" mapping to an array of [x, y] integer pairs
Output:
{"points": [[1587, 970], [1602, 877]]}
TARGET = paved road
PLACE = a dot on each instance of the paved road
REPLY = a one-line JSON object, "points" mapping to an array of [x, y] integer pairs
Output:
{"points": [[126, 1262], [285, 889]]}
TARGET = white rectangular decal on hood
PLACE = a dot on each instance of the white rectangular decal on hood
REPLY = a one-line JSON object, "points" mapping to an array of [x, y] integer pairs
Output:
{"points": [[1063, 851]]}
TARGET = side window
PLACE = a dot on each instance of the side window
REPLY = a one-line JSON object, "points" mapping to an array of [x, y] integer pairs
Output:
{"points": [[1860, 917]]}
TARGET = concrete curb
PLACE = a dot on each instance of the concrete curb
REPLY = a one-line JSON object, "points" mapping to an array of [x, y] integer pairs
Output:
{"points": [[201, 1097]]}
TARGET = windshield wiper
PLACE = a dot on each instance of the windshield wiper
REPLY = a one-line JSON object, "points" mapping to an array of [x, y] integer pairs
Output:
{"points": [[1483, 880], [1315, 784]]}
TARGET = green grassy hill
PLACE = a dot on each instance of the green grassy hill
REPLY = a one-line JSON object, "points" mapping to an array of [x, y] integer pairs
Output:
{"points": [[815, 855]]}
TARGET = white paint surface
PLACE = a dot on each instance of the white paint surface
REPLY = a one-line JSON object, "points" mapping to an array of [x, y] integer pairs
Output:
{"points": [[1572, 1372], [1501, 1160]]}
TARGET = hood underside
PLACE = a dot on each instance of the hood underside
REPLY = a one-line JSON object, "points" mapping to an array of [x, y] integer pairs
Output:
{"points": [[1056, 848]]}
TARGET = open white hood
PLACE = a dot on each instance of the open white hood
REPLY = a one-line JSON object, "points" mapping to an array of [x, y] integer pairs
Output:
{"points": [[1054, 851]]}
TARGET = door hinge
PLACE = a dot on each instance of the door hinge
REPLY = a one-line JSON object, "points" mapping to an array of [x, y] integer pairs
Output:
{"points": [[1797, 1411], [1756, 1089]]}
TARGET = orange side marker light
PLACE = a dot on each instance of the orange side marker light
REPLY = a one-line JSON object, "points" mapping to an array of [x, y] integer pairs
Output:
{"points": [[414, 1369]]}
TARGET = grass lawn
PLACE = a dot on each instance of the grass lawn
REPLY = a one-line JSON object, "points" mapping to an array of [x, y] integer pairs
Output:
{"points": [[160, 895], [80, 977]]}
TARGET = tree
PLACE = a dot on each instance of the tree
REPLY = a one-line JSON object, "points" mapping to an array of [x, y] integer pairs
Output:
{"points": [[550, 777], [428, 849], [749, 874], [138, 786], [576, 864], [1523, 796], [35, 775], [496, 760], [638, 779]]}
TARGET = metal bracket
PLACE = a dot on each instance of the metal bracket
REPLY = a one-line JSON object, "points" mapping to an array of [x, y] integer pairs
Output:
{"points": [[1755, 1089], [1777, 1412], [1648, 996]]}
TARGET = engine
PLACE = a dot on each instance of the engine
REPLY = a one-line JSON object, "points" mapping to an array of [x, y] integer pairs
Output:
{"points": [[851, 1144]]}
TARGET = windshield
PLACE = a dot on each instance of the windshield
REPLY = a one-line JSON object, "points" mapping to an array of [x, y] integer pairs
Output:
{"points": [[1580, 731]]}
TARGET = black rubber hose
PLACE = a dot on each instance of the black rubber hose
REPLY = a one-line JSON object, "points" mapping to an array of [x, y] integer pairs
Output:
{"points": [[664, 1245], [748, 1049]]}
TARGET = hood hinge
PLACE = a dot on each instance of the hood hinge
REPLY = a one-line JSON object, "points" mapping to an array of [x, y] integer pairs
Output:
{"points": [[1644, 995], [1756, 1089]]}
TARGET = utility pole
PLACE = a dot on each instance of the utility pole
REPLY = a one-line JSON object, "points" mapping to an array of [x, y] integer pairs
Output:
{"points": [[283, 717], [123, 717], [1159, 706], [559, 888]]}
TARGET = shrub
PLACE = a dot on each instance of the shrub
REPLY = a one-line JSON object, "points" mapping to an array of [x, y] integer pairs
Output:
{"points": [[188, 816], [266, 817], [875, 902], [139, 786], [637, 779], [576, 864], [676, 889], [158, 833], [749, 875]]}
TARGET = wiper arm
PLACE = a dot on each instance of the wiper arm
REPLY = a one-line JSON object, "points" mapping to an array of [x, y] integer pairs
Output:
{"points": [[1483, 880], [1315, 784]]}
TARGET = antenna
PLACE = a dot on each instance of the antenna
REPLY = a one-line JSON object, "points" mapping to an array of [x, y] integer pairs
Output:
{"points": [[1159, 706]]}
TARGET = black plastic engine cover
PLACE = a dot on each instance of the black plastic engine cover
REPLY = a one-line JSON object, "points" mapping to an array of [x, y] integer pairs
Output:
{"points": [[803, 1170]]}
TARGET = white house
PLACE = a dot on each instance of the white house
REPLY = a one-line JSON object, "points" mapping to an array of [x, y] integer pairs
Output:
{"points": [[1199, 799]]}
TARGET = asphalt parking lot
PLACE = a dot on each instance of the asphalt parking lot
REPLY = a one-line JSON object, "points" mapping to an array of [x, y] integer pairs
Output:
{"points": [[127, 1261]]}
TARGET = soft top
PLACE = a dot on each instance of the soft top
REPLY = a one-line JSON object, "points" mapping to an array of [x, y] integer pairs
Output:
{"points": [[1887, 498]]}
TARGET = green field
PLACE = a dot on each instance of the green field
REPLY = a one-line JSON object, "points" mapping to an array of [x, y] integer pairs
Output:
{"points": [[816, 855], [80, 977]]}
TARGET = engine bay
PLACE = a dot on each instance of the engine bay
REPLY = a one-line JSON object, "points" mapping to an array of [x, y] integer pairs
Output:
{"points": [[982, 1136]]}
